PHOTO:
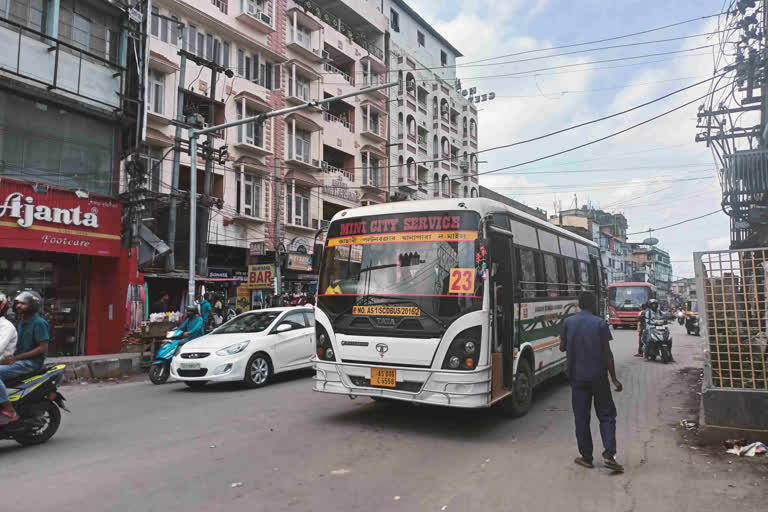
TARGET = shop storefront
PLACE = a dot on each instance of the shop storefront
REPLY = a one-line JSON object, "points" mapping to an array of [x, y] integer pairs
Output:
{"points": [[298, 278], [66, 246]]}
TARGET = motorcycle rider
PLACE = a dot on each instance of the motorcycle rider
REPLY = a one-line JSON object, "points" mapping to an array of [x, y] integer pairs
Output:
{"points": [[650, 314], [193, 324], [31, 347]]}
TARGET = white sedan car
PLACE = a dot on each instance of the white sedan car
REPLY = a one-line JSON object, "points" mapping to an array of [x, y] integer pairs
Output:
{"points": [[250, 348]]}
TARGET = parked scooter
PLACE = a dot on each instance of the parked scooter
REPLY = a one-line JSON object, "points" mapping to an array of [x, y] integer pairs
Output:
{"points": [[37, 401], [161, 368], [658, 342]]}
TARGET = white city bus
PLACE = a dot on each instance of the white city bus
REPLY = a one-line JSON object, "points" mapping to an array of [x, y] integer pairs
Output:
{"points": [[454, 302]]}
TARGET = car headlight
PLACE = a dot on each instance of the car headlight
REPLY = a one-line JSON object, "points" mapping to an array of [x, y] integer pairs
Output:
{"points": [[233, 349]]}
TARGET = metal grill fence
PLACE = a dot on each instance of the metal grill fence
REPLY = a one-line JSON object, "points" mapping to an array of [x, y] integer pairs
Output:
{"points": [[731, 291]]}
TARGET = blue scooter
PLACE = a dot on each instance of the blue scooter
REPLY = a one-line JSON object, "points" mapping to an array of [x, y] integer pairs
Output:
{"points": [[161, 368]]}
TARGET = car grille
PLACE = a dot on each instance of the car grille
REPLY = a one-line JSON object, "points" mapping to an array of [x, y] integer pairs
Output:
{"points": [[409, 386], [192, 373], [195, 355]]}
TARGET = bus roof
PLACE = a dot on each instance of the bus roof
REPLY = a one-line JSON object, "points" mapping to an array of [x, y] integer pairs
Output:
{"points": [[639, 283], [482, 206]]}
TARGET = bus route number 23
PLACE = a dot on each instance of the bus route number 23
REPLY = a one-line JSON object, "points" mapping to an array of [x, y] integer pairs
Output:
{"points": [[462, 280]]}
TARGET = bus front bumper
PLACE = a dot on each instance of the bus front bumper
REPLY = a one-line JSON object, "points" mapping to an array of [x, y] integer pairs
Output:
{"points": [[469, 389]]}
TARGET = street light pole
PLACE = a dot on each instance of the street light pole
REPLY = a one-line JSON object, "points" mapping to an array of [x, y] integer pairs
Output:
{"points": [[260, 118]]}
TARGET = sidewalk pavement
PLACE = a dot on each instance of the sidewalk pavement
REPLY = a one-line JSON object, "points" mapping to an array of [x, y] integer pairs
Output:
{"points": [[103, 366]]}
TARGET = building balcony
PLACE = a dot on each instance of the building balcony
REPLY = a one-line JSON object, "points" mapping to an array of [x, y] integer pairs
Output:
{"points": [[309, 225], [330, 118], [251, 144], [333, 70], [60, 67], [259, 19]]}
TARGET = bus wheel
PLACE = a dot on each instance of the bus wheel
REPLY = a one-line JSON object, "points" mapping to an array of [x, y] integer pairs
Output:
{"points": [[518, 403]]}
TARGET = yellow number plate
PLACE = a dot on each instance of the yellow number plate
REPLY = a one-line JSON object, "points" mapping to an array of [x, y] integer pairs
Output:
{"points": [[383, 377], [387, 310]]}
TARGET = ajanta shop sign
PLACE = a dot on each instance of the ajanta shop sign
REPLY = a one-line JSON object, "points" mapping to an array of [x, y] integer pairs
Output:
{"points": [[58, 220], [453, 227]]}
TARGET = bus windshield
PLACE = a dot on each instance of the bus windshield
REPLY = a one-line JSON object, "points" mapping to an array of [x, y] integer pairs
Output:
{"points": [[628, 298], [424, 265]]}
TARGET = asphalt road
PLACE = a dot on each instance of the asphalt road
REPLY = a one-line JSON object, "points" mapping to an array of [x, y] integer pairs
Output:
{"points": [[142, 447]]}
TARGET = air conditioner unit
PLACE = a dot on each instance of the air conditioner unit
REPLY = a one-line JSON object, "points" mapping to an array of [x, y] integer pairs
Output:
{"points": [[315, 163], [464, 165], [325, 55], [324, 165], [266, 19]]}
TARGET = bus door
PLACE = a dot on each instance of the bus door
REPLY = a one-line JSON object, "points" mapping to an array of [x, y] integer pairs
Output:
{"points": [[502, 306]]}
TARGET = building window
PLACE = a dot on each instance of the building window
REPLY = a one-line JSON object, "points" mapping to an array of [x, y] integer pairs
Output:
{"points": [[81, 32], [155, 26], [303, 147], [420, 37], [191, 38], [302, 36], [443, 58], [251, 205], [251, 133], [200, 44], [301, 216], [209, 47], [225, 57], [300, 89], [394, 20], [174, 31], [156, 92], [154, 169], [240, 63], [164, 30]]}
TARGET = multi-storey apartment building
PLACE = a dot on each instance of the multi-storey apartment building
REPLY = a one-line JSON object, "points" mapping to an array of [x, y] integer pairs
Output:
{"points": [[609, 231], [295, 170], [433, 128], [69, 103], [652, 264]]}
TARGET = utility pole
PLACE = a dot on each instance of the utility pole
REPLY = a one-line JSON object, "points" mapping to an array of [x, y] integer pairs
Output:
{"points": [[260, 118], [207, 181], [278, 189], [170, 261]]}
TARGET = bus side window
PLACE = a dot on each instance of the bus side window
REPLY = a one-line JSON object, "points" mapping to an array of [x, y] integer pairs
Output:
{"points": [[550, 276], [570, 274], [527, 272], [584, 276]]}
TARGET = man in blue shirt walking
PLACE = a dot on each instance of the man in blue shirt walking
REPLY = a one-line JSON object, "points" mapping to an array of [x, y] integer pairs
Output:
{"points": [[31, 347], [585, 337]]}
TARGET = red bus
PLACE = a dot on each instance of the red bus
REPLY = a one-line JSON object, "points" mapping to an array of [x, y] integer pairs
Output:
{"points": [[625, 302]]}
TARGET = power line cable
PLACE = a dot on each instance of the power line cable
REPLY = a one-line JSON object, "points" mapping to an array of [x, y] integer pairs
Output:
{"points": [[675, 224]]}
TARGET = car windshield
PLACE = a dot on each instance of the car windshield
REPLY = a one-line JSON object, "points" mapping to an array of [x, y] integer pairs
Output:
{"points": [[256, 321]]}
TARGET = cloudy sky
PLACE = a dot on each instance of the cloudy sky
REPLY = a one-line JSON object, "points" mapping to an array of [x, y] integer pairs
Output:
{"points": [[656, 174]]}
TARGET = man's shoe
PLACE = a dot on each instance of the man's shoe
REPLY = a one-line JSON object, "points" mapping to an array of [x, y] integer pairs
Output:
{"points": [[613, 465], [581, 461], [638, 355]]}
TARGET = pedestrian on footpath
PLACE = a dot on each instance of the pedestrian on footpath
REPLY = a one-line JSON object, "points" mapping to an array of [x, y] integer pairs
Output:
{"points": [[586, 339]]}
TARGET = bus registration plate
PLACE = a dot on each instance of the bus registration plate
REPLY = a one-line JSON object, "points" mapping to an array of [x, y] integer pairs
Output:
{"points": [[383, 377]]}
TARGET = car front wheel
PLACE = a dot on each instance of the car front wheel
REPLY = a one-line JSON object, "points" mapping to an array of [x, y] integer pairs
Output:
{"points": [[258, 371]]}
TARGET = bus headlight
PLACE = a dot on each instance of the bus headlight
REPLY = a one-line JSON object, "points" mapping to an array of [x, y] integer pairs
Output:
{"points": [[464, 352], [323, 346]]}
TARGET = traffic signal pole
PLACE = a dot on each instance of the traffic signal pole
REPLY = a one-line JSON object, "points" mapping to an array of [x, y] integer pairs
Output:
{"points": [[260, 118]]}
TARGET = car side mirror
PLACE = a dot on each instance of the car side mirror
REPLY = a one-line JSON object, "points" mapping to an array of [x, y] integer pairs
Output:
{"points": [[284, 328]]}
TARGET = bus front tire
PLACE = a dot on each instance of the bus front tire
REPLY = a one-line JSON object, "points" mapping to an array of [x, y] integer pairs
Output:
{"points": [[519, 401]]}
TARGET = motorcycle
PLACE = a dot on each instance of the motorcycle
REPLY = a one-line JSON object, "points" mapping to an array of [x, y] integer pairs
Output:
{"points": [[161, 367], [658, 342], [37, 401], [681, 318]]}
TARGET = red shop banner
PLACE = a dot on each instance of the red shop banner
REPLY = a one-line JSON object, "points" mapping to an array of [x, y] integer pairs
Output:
{"points": [[58, 220]]}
